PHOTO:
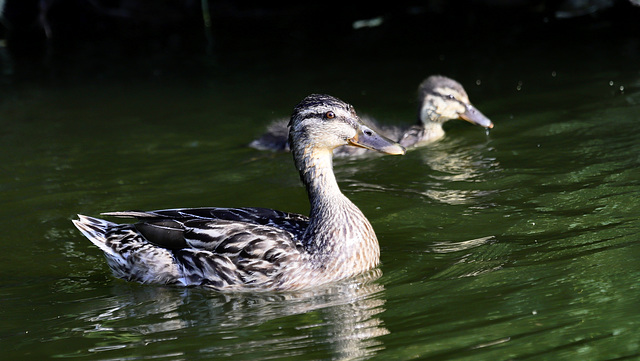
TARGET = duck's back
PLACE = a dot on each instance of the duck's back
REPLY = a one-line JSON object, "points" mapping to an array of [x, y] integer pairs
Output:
{"points": [[276, 138], [291, 222]]}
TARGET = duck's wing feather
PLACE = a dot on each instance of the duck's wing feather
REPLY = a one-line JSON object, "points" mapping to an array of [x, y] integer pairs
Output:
{"points": [[220, 230], [216, 235], [222, 253]]}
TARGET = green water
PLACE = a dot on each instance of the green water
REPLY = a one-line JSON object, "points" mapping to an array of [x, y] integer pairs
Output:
{"points": [[521, 243]]}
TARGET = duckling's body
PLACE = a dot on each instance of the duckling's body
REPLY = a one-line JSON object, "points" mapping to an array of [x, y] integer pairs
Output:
{"points": [[235, 249], [441, 99]]}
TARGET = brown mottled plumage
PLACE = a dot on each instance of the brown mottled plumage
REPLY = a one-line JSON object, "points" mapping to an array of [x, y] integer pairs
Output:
{"points": [[235, 249], [441, 99]]}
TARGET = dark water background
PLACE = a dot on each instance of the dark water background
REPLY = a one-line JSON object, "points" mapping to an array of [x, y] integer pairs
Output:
{"points": [[517, 244]]}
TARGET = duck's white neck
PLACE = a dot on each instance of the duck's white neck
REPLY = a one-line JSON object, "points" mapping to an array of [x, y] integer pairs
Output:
{"points": [[430, 120], [432, 131], [338, 232]]}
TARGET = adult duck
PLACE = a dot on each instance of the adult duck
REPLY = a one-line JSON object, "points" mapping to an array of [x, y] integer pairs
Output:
{"points": [[441, 99], [237, 249]]}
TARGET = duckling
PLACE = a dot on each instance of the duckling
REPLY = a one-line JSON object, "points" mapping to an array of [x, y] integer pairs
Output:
{"points": [[245, 249], [441, 99]]}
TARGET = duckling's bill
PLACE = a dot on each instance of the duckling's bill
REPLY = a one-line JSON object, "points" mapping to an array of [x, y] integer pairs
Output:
{"points": [[474, 116], [368, 139]]}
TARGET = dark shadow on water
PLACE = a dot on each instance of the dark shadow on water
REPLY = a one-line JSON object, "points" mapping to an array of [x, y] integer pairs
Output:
{"points": [[65, 41]]}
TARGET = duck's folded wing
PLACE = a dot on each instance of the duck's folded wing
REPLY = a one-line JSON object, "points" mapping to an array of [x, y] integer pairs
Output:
{"points": [[411, 136], [219, 236], [213, 252]]}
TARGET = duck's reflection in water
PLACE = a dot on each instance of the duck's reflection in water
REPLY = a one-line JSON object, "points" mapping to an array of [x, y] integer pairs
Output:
{"points": [[341, 320], [465, 167]]}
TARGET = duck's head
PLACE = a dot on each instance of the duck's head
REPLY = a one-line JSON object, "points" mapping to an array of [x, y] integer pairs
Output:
{"points": [[321, 123], [443, 99]]}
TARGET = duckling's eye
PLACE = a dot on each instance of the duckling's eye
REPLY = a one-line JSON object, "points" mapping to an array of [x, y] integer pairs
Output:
{"points": [[450, 96]]}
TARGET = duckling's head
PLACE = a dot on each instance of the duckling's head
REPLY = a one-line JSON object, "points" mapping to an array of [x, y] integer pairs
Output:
{"points": [[320, 123], [442, 99]]}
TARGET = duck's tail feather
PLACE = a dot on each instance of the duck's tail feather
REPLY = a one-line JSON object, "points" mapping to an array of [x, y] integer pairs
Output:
{"points": [[129, 255], [95, 230]]}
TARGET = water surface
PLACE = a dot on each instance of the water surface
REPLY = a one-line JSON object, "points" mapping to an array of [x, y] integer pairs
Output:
{"points": [[521, 243]]}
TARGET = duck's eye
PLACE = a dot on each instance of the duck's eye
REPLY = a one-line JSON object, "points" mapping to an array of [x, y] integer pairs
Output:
{"points": [[330, 115], [450, 96]]}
